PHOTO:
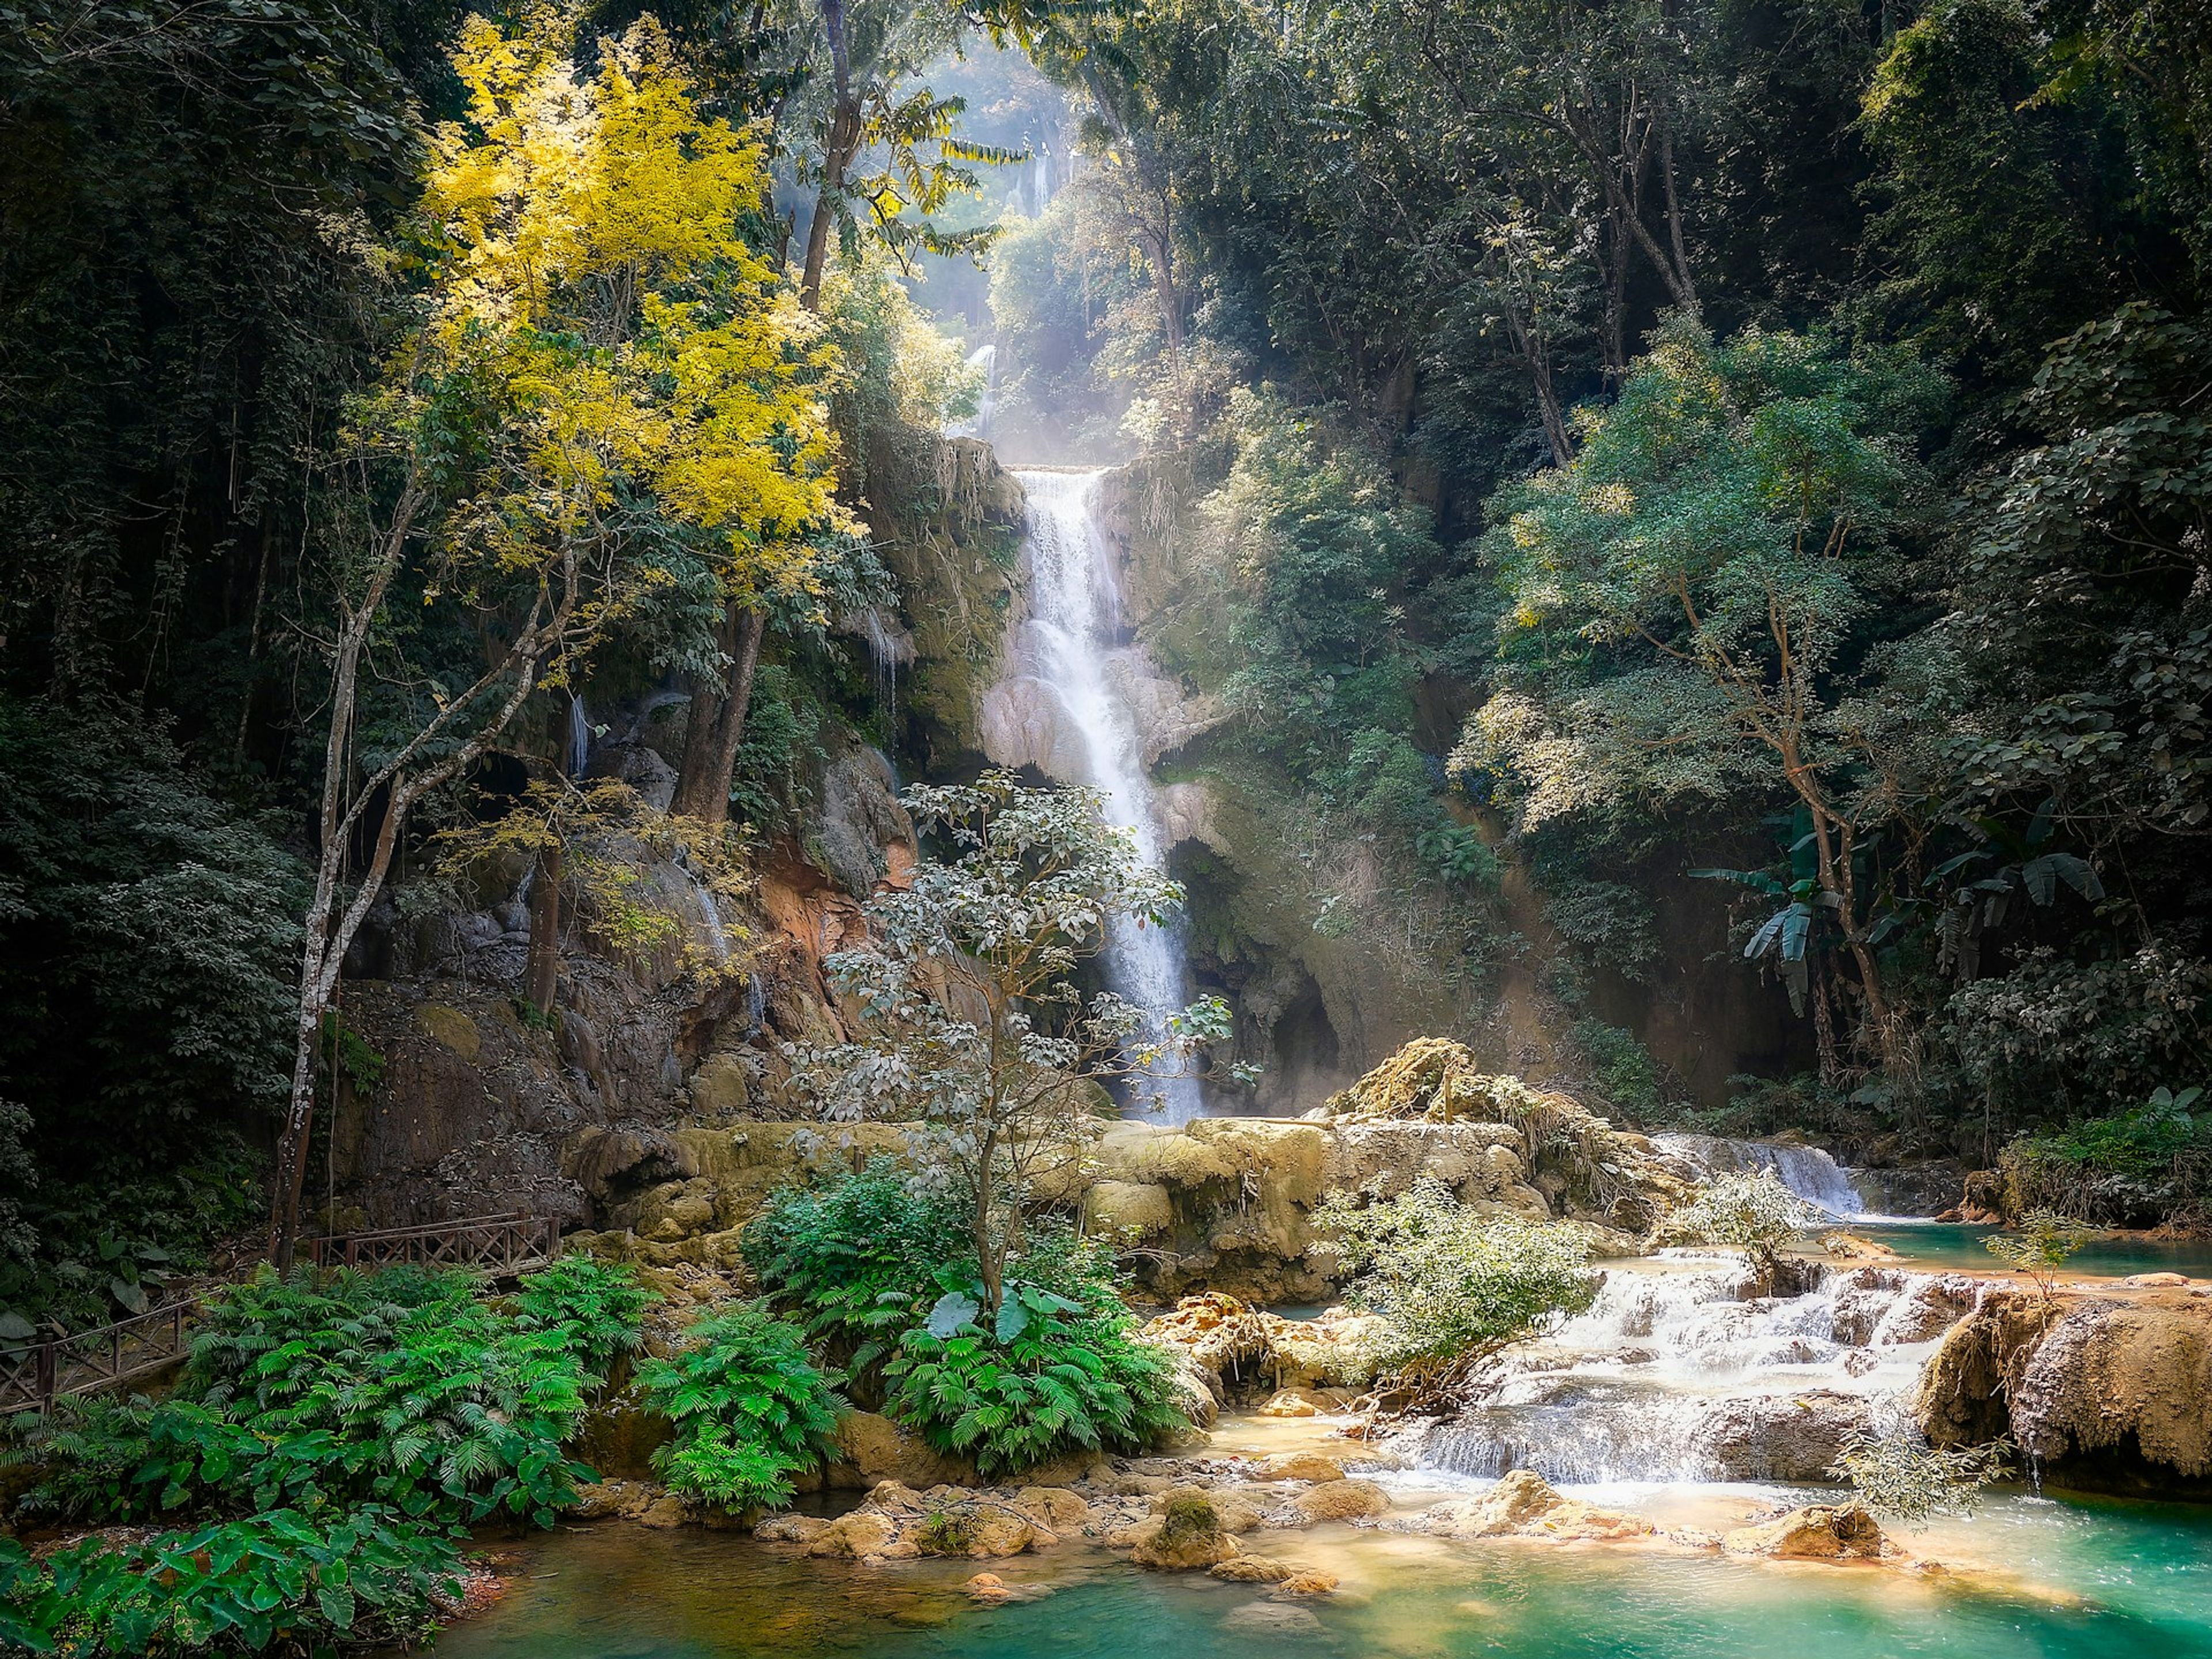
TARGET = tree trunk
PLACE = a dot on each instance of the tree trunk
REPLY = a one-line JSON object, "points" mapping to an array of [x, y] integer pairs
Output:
{"points": [[544, 972], [717, 721], [839, 146]]}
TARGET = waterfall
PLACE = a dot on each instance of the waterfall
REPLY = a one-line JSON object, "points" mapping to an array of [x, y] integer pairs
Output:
{"points": [[1074, 601], [580, 736], [1678, 1372], [985, 357], [1805, 1170]]}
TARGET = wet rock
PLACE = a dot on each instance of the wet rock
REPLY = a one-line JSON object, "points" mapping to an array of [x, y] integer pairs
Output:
{"points": [[1236, 1514], [1054, 1508], [1292, 1402], [791, 1528], [1341, 1500], [861, 1533], [1304, 1585], [667, 1510], [1300, 1466], [1188, 1536], [1819, 1532], [1276, 1619], [1523, 1504], [1254, 1570], [1783, 1437], [988, 1587]]}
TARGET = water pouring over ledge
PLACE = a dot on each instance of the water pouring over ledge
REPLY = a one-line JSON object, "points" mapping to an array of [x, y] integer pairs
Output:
{"points": [[1061, 675]]}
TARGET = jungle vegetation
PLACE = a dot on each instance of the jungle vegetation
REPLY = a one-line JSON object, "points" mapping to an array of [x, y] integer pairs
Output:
{"points": [[1747, 454]]}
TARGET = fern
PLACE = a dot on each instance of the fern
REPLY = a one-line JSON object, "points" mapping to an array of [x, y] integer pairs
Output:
{"points": [[751, 1409]]}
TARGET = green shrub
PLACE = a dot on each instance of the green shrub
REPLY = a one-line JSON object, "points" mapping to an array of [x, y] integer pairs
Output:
{"points": [[855, 1259], [593, 1309], [750, 1410], [2146, 1164], [1752, 1210], [1051, 1375], [1454, 1286], [282, 1580], [1899, 1474], [399, 1388], [2039, 1245]]}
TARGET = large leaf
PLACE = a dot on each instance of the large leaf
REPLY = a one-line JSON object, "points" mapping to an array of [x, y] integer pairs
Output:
{"points": [[2042, 876], [1013, 1318], [953, 1310]]}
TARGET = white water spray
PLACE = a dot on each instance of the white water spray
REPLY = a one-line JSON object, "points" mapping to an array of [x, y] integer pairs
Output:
{"points": [[1808, 1171], [1074, 604]]}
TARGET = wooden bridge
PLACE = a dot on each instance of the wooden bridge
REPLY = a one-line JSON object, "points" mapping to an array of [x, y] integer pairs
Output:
{"points": [[33, 1375]]}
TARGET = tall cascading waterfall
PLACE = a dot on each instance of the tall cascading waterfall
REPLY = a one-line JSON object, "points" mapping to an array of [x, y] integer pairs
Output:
{"points": [[1074, 607]]}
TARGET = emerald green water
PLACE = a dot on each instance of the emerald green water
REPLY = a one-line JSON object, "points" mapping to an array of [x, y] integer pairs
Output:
{"points": [[2104, 1581], [1948, 1245]]}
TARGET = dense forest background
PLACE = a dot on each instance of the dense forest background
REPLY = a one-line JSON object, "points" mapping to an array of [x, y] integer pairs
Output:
{"points": [[1748, 454]]}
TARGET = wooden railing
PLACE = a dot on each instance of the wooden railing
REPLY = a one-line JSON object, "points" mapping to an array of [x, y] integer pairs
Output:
{"points": [[33, 1375], [497, 1244]]}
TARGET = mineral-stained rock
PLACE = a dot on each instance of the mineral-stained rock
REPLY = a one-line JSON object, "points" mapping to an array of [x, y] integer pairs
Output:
{"points": [[1342, 1500], [863, 1532], [996, 1533], [1300, 1466], [1188, 1536], [987, 1587], [1254, 1570], [873, 1449], [1236, 1514], [1523, 1504], [1779, 1436], [1292, 1402], [1301, 1585], [1819, 1532], [667, 1510], [1131, 1210], [2102, 1391], [790, 1529], [1054, 1508]]}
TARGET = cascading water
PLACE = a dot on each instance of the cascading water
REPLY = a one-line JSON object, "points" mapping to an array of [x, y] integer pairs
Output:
{"points": [[1679, 1373], [1073, 604], [985, 357], [1805, 1170], [580, 736]]}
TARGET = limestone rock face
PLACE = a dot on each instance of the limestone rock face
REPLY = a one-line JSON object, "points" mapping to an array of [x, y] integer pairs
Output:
{"points": [[1785, 1436], [2102, 1391], [1820, 1532], [872, 1448]]}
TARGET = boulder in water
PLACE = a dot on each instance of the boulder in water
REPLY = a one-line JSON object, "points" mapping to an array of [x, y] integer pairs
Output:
{"points": [[1341, 1500], [1523, 1504], [1819, 1532], [1188, 1537]]}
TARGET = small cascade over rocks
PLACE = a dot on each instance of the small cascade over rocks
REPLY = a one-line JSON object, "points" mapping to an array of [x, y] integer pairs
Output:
{"points": [[1808, 1171], [1681, 1372]]}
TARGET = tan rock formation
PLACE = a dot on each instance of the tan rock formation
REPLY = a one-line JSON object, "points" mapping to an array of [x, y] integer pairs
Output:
{"points": [[1188, 1537], [2103, 1391], [1342, 1500], [1819, 1532], [1523, 1504]]}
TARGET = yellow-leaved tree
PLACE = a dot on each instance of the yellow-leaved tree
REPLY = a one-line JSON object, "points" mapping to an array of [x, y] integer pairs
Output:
{"points": [[603, 404]]}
